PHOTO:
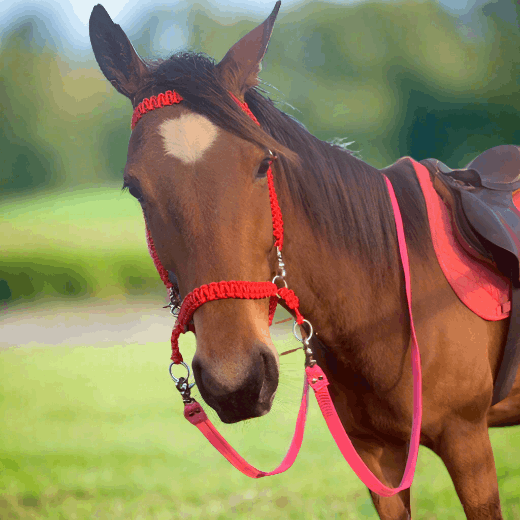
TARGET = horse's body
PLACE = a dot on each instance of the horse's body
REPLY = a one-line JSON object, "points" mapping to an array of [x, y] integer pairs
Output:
{"points": [[197, 169]]}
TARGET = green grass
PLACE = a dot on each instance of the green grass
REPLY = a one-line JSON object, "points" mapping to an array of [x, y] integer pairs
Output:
{"points": [[86, 243], [98, 433]]}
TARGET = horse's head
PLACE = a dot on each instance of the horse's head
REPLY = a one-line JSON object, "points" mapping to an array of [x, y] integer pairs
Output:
{"points": [[198, 169]]}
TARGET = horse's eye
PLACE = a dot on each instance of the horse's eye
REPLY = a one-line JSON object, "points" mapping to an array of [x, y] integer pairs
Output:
{"points": [[264, 166], [135, 193]]}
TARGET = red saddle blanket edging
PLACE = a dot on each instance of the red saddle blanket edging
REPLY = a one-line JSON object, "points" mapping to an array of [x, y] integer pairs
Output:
{"points": [[481, 287]]}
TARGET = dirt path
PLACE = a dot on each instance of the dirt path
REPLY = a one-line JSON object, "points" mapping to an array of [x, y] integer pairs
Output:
{"points": [[84, 323], [90, 322]]}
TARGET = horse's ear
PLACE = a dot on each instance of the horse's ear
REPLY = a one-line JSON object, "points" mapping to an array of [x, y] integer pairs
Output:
{"points": [[240, 66], [115, 55]]}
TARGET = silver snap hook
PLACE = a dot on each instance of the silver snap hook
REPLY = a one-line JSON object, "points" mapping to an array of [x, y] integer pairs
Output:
{"points": [[175, 379], [301, 340], [281, 278]]}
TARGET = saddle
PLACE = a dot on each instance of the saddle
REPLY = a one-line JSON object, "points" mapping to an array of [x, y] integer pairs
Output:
{"points": [[487, 225]]}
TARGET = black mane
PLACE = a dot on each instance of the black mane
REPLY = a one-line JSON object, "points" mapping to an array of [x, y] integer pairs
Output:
{"points": [[343, 197]]}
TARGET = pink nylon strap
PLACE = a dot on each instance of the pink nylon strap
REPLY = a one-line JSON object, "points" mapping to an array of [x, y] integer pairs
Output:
{"points": [[196, 416], [316, 378], [318, 381]]}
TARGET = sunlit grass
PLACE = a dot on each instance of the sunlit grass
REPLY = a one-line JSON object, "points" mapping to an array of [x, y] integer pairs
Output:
{"points": [[98, 432]]}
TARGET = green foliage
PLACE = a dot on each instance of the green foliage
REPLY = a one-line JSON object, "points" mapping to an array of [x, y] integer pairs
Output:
{"points": [[22, 279], [398, 78], [27, 161], [98, 432]]}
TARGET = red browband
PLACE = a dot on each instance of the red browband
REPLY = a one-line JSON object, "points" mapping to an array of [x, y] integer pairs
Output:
{"points": [[148, 104]]}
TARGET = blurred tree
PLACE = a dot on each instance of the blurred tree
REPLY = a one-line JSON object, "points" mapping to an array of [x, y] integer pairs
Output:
{"points": [[398, 78], [388, 75], [27, 161]]}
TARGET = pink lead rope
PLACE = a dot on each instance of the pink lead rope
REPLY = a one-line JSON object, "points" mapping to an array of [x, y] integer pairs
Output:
{"points": [[319, 385], [314, 375]]}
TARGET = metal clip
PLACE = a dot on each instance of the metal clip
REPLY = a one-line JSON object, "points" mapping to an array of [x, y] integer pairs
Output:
{"points": [[278, 277], [281, 264], [182, 384], [175, 303], [309, 359]]}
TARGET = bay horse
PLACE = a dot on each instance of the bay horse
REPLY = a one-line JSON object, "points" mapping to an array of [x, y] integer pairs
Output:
{"points": [[198, 168]]}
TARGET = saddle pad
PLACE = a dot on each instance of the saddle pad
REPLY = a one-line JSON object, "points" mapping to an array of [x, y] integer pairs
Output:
{"points": [[481, 287]]}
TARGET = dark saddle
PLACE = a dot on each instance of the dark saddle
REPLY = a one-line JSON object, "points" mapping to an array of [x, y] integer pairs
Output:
{"points": [[487, 225]]}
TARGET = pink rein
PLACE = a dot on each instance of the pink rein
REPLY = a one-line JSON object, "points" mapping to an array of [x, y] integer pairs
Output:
{"points": [[314, 376]]}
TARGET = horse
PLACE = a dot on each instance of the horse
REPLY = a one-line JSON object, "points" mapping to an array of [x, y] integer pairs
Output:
{"points": [[198, 169]]}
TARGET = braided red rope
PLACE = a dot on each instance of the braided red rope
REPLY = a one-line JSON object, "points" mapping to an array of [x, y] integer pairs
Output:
{"points": [[163, 273], [167, 98], [315, 377], [275, 207], [171, 97], [225, 289], [230, 289], [245, 108], [276, 212]]}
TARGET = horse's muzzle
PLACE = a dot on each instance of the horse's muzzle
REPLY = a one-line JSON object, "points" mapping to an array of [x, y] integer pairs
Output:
{"points": [[255, 387]]}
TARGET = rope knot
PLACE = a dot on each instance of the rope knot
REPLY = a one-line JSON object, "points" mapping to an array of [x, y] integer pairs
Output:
{"points": [[290, 298]]}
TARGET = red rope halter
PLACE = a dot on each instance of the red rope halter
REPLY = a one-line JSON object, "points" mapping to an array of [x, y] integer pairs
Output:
{"points": [[225, 289], [315, 376]]}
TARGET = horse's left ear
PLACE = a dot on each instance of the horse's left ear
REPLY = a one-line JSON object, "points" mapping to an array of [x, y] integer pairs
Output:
{"points": [[240, 66], [115, 55]]}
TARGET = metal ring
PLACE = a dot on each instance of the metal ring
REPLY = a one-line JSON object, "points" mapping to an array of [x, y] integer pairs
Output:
{"points": [[281, 278], [301, 340], [175, 380]]}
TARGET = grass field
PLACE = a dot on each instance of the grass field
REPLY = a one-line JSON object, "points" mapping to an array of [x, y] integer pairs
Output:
{"points": [[97, 431]]}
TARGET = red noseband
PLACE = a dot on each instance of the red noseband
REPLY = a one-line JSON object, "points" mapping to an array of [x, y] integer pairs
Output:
{"points": [[226, 289]]}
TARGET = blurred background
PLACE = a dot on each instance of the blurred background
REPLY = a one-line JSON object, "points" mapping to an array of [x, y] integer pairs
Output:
{"points": [[419, 78], [80, 435]]}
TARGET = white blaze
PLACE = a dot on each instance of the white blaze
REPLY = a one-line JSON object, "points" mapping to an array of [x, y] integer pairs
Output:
{"points": [[188, 137]]}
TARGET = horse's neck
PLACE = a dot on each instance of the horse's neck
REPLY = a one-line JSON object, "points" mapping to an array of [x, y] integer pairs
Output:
{"points": [[336, 292]]}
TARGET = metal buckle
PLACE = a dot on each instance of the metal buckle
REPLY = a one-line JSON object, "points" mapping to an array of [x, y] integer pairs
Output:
{"points": [[281, 264], [309, 360], [182, 384], [281, 270], [175, 304]]}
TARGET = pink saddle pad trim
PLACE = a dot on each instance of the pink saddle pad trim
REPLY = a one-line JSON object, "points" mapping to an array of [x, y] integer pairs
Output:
{"points": [[482, 288]]}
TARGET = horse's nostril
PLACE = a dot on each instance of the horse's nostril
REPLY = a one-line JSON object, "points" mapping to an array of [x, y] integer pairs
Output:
{"points": [[271, 375], [242, 394]]}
